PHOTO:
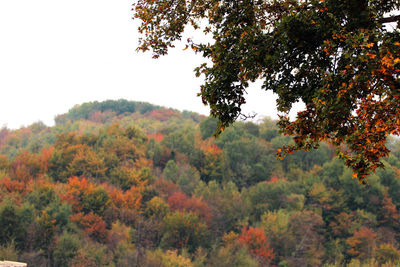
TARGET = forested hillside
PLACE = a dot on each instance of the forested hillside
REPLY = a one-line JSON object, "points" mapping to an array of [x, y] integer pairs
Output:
{"points": [[122, 183]]}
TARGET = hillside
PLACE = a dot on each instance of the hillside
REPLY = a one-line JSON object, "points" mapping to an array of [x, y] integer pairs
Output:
{"points": [[124, 183]]}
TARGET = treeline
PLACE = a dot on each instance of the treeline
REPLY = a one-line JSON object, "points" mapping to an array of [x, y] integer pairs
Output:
{"points": [[125, 187], [118, 107]]}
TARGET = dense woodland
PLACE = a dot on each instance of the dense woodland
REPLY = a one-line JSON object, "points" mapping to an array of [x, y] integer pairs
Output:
{"points": [[121, 183]]}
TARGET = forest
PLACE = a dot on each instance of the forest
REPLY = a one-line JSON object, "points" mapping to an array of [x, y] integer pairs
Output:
{"points": [[125, 183]]}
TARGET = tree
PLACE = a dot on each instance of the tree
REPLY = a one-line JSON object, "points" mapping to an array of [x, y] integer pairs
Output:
{"points": [[248, 160], [85, 196], [171, 171], [86, 163], [386, 253], [306, 228], [66, 249], [45, 227], [257, 243], [265, 197], [340, 58], [228, 207], [362, 243], [214, 166], [179, 201], [232, 254], [91, 255], [93, 225], [184, 230], [207, 127], [275, 224], [14, 222], [167, 258]]}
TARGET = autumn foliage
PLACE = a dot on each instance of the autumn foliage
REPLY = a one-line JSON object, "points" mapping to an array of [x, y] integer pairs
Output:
{"points": [[257, 242], [179, 201], [145, 191]]}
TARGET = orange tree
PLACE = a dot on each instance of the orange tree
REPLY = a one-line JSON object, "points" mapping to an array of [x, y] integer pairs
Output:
{"points": [[339, 57]]}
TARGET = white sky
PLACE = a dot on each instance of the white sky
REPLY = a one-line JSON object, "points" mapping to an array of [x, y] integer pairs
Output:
{"points": [[55, 54]]}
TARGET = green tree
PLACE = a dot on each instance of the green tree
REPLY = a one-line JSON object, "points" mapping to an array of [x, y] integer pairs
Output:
{"points": [[207, 127], [188, 179], [389, 178], [93, 255], [229, 209], [275, 224], [214, 165], [249, 161], [184, 230], [304, 160], [156, 208], [268, 129], [66, 249], [45, 227], [387, 253], [232, 255], [180, 141], [338, 57], [14, 221], [270, 196], [171, 171], [95, 201]]}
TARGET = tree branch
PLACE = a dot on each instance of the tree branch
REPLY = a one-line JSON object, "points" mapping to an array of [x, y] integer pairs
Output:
{"points": [[390, 19]]}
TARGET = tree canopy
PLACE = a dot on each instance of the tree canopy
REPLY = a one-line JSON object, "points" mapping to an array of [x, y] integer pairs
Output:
{"points": [[339, 57]]}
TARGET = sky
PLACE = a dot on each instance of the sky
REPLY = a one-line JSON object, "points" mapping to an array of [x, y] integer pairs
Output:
{"points": [[56, 54]]}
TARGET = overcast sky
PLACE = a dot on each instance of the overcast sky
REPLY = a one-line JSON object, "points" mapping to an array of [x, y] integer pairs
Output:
{"points": [[55, 54]]}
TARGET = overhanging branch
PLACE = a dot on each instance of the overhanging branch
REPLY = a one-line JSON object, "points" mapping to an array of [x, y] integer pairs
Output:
{"points": [[390, 19]]}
